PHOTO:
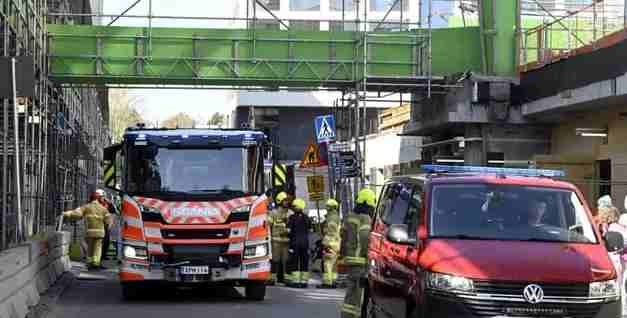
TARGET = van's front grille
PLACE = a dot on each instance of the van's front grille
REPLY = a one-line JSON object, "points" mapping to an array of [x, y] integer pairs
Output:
{"points": [[494, 308], [516, 289]]}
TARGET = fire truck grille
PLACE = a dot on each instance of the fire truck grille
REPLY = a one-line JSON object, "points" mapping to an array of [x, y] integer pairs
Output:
{"points": [[189, 234]]}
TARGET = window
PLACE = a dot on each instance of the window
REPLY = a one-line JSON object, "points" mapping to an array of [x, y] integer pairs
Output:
{"points": [[508, 212], [533, 6], [342, 26], [396, 204], [384, 5], [336, 5], [389, 27], [413, 214], [305, 5], [381, 202], [157, 169], [272, 4], [577, 4], [305, 25]]}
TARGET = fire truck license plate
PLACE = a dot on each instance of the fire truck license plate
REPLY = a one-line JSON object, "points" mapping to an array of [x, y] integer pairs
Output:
{"points": [[195, 270]]}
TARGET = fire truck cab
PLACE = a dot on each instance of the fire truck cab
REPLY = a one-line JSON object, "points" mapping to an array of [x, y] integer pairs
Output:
{"points": [[193, 208]]}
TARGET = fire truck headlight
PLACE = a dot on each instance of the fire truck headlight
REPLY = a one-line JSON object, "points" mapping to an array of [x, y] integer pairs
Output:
{"points": [[242, 209], [254, 251], [134, 252]]}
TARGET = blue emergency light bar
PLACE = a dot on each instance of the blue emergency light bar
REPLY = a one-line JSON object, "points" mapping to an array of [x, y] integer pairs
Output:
{"points": [[493, 170], [194, 137]]}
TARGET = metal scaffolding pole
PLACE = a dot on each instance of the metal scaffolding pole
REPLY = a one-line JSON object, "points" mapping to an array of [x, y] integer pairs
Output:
{"points": [[16, 156], [36, 147], [364, 92]]}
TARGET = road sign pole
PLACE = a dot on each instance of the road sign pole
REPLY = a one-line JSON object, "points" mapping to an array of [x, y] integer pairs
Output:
{"points": [[318, 208]]}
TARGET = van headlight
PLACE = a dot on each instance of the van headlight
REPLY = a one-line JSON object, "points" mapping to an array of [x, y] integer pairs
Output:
{"points": [[135, 252], [255, 251], [449, 283], [609, 289]]}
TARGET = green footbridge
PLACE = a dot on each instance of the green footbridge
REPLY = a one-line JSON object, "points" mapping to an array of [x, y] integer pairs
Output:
{"points": [[87, 54]]}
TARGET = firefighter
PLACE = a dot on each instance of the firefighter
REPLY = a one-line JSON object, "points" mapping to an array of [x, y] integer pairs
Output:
{"points": [[97, 218], [298, 228], [331, 243], [354, 250], [280, 240]]}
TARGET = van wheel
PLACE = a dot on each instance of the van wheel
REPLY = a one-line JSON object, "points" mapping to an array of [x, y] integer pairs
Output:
{"points": [[256, 291], [131, 291]]}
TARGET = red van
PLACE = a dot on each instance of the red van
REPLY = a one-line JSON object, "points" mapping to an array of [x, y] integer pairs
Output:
{"points": [[488, 242]]}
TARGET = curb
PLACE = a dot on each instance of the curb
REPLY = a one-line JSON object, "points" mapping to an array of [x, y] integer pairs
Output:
{"points": [[48, 300]]}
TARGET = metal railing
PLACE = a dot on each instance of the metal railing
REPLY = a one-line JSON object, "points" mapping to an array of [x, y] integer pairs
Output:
{"points": [[554, 29]]}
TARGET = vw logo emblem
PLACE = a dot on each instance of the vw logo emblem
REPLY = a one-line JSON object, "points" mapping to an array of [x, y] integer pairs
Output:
{"points": [[533, 294]]}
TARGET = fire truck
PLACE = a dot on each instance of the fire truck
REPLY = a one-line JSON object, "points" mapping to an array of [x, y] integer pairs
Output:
{"points": [[193, 208]]}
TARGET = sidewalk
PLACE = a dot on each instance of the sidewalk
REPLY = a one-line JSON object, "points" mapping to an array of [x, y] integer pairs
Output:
{"points": [[80, 271]]}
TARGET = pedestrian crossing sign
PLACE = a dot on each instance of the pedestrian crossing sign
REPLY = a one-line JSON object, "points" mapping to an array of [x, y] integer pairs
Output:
{"points": [[325, 128], [312, 158]]}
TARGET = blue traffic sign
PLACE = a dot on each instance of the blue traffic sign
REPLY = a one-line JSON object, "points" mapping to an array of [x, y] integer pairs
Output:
{"points": [[325, 128]]}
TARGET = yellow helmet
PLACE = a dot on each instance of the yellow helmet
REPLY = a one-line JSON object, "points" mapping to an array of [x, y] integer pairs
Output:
{"points": [[281, 197], [332, 204], [299, 204], [367, 196]]}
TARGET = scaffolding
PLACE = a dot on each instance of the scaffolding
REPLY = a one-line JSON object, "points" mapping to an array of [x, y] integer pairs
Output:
{"points": [[554, 29], [50, 144]]}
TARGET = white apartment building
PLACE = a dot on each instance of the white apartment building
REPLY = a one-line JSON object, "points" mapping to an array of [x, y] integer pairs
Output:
{"points": [[326, 15]]}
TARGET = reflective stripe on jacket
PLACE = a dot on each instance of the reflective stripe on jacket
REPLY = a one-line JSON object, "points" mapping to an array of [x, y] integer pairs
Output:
{"points": [[278, 224], [355, 236], [332, 235], [95, 215]]}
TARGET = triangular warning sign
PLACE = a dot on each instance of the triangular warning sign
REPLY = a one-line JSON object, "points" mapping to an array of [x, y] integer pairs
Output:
{"points": [[325, 132], [311, 158]]}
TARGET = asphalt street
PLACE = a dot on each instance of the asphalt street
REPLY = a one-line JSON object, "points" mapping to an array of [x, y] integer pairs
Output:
{"points": [[95, 297]]}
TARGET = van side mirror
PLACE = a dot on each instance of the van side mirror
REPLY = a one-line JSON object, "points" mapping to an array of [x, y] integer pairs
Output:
{"points": [[399, 234], [614, 241]]}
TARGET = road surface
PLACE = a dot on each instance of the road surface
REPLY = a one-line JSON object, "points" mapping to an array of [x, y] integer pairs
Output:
{"points": [[101, 298]]}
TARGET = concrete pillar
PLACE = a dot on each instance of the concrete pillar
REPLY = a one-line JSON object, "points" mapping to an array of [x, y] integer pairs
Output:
{"points": [[473, 149]]}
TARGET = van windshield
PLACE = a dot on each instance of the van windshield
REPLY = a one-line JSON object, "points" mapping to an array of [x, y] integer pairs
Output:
{"points": [[506, 212]]}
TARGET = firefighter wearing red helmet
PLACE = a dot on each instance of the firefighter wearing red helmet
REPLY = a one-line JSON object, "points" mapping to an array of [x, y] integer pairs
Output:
{"points": [[97, 219]]}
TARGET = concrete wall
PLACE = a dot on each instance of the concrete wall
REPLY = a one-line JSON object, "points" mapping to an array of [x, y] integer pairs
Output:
{"points": [[389, 149], [578, 155], [28, 270], [456, 108]]}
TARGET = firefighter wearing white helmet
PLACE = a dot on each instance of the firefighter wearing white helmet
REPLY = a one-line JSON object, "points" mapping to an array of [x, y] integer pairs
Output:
{"points": [[278, 230], [354, 250], [331, 243], [97, 219], [298, 227]]}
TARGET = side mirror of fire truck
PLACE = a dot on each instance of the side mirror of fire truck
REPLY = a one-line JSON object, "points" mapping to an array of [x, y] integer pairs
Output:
{"points": [[110, 167]]}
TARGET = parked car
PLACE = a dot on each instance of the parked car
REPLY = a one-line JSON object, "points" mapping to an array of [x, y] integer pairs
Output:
{"points": [[488, 242]]}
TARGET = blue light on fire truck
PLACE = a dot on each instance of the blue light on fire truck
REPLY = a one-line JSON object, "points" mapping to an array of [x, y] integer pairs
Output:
{"points": [[493, 170]]}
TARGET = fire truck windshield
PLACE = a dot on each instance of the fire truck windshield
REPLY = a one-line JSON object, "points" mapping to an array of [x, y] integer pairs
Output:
{"points": [[156, 169]]}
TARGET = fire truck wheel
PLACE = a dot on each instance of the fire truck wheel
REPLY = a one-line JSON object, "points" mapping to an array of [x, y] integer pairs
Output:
{"points": [[131, 291], [256, 291]]}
